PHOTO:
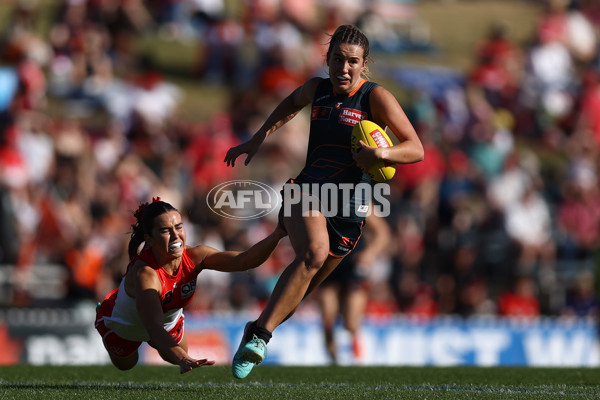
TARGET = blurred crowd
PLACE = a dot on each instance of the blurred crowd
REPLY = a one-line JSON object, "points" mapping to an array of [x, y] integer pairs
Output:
{"points": [[502, 217]]}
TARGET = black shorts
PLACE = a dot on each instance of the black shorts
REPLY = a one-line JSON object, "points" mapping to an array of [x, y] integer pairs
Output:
{"points": [[344, 233]]}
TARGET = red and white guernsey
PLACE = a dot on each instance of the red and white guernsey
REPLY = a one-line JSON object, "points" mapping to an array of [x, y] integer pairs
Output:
{"points": [[177, 291]]}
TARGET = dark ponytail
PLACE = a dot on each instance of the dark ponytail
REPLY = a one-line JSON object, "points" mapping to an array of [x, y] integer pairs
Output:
{"points": [[144, 221]]}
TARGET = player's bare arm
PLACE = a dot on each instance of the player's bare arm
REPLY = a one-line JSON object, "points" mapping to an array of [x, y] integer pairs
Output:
{"points": [[284, 112], [387, 112], [290, 107], [150, 310], [231, 261]]}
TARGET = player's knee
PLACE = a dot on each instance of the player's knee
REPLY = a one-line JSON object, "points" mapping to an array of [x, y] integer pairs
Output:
{"points": [[315, 256], [126, 363], [124, 367]]}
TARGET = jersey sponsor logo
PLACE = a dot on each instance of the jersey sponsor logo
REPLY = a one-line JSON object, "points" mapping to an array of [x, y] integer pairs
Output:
{"points": [[350, 116], [338, 105], [320, 112], [188, 289]]}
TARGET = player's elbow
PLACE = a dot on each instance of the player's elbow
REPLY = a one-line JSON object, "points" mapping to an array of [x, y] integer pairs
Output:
{"points": [[418, 153], [421, 156]]}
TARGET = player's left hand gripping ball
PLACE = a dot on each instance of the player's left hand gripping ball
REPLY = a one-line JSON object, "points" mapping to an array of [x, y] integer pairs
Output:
{"points": [[373, 135]]}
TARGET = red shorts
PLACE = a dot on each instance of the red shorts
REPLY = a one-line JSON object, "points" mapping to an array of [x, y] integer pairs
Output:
{"points": [[115, 344]]}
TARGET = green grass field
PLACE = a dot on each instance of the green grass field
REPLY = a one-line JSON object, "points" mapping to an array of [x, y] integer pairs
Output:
{"points": [[276, 382]]}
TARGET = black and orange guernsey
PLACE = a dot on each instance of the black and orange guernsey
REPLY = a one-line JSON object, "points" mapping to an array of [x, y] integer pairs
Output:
{"points": [[329, 162], [329, 156]]}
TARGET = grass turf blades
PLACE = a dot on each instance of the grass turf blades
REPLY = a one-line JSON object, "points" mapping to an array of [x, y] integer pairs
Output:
{"points": [[276, 382]]}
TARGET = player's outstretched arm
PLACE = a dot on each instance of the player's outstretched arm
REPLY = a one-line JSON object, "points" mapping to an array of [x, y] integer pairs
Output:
{"points": [[285, 111], [232, 261], [150, 311]]}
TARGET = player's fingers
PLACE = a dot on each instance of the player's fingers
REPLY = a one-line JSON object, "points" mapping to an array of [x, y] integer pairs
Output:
{"points": [[195, 364], [230, 157], [359, 148], [185, 368], [230, 161]]}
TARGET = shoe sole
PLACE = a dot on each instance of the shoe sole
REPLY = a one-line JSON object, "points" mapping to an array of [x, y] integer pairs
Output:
{"points": [[253, 357]]}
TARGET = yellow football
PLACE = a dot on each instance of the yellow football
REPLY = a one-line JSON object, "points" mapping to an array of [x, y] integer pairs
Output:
{"points": [[373, 135]]}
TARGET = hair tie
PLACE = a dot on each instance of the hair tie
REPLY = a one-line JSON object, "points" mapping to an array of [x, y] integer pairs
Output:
{"points": [[140, 211]]}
